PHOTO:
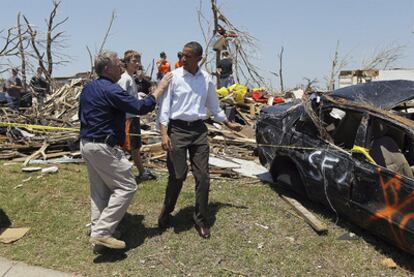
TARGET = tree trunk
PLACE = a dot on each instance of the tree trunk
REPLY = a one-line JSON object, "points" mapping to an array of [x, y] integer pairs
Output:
{"points": [[213, 7], [282, 89], [21, 51]]}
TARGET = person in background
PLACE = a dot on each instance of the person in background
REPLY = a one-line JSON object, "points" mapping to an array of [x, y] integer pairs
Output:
{"points": [[179, 63], [143, 82], [133, 143], [183, 109], [225, 71], [13, 90], [102, 108], [40, 87], [163, 66]]}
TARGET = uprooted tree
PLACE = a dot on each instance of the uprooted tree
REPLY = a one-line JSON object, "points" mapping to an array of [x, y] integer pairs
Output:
{"points": [[224, 36]]}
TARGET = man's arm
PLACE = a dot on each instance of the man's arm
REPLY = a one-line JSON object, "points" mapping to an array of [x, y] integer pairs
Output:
{"points": [[165, 139], [213, 105], [164, 118], [121, 100], [162, 86]]}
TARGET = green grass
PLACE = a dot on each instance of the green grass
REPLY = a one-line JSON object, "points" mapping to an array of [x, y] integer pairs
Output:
{"points": [[56, 207]]}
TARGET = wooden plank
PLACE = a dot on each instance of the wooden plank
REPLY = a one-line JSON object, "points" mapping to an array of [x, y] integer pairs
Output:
{"points": [[243, 141], [310, 218], [57, 155], [156, 147], [244, 117], [41, 152]]}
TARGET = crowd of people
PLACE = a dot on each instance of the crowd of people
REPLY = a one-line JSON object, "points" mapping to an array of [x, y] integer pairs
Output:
{"points": [[39, 87], [15, 89], [109, 112]]}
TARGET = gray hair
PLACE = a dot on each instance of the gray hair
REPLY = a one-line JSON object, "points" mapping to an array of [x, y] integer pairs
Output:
{"points": [[103, 59]]}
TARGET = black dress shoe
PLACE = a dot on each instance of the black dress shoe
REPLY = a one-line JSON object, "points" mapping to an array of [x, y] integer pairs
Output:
{"points": [[164, 221], [203, 231]]}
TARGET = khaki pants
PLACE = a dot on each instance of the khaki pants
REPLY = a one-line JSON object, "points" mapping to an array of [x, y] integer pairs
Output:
{"points": [[112, 185]]}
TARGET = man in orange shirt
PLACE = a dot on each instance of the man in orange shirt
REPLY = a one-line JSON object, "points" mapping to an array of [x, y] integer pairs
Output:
{"points": [[179, 63], [163, 66]]}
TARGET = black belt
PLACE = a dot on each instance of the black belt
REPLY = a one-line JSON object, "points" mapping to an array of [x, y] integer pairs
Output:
{"points": [[179, 122], [109, 140]]}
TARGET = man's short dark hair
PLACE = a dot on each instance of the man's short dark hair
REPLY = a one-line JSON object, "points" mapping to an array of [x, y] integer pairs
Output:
{"points": [[163, 55], [196, 47]]}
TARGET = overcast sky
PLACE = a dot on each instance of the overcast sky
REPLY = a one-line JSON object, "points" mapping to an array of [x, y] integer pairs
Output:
{"points": [[308, 30]]}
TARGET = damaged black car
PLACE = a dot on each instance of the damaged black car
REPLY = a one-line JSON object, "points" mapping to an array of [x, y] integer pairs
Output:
{"points": [[351, 150]]}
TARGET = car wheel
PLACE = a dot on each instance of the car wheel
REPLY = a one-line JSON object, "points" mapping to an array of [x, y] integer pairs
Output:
{"points": [[285, 173]]}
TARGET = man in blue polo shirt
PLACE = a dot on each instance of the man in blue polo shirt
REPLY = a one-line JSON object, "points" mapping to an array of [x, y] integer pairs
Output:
{"points": [[103, 104]]}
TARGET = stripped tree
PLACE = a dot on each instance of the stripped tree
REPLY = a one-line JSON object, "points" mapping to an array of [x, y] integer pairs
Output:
{"points": [[47, 47], [384, 58], [337, 65], [9, 48], [226, 36]]}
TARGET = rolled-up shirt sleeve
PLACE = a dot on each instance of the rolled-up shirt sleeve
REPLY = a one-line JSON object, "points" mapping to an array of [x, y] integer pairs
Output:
{"points": [[165, 106], [213, 103]]}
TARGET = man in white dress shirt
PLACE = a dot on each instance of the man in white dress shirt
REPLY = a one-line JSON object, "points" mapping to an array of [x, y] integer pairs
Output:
{"points": [[183, 109]]}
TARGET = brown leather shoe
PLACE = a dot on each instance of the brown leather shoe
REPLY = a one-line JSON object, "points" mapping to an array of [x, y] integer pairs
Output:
{"points": [[203, 231]]}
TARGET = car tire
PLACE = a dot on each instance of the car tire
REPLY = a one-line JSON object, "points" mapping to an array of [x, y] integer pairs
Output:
{"points": [[286, 174]]}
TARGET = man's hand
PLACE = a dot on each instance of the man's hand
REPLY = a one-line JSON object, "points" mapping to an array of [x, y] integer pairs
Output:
{"points": [[233, 126], [165, 139], [162, 85], [166, 143], [142, 95]]}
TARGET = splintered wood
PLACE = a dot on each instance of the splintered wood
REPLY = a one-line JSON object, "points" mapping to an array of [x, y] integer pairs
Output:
{"points": [[53, 132], [25, 134]]}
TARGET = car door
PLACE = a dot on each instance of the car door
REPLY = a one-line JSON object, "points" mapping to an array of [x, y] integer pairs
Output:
{"points": [[330, 167], [383, 200]]}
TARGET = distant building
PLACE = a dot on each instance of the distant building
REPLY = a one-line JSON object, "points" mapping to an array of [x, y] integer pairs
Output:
{"points": [[353, 77], [61, 81]]}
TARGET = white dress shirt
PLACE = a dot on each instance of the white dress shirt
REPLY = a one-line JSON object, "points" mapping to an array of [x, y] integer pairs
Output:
{"points": [[189, 97]]}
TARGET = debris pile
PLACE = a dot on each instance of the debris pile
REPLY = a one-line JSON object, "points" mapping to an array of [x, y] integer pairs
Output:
{"points": [[52, 133], [55, 126]]}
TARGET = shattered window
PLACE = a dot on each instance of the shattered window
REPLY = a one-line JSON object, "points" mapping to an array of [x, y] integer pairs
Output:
{"points": [[342, 125], [305, 125], [391, 147]]}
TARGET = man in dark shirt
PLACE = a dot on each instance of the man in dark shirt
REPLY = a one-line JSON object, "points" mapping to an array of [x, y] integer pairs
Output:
{"points": [[40, 87], [225, 71], [14, 89], [103, 104], [143, 84]]}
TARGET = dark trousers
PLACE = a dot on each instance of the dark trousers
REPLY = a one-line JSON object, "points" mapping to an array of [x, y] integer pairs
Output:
{"points": [[194, 139]]}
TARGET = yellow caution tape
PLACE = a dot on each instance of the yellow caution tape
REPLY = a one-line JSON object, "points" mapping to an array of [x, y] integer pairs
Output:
{"points": [[364, 151], [288, 146], [356, 148], [40, 127]]}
